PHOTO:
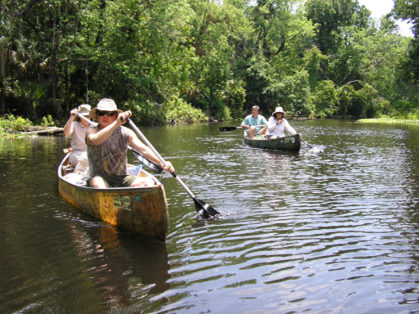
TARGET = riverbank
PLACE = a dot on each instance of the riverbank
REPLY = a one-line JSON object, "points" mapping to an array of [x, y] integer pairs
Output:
{"points": [[40, 130], [388, 121]]}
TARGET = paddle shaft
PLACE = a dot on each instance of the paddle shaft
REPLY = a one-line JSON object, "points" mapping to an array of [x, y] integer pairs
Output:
{"points": [[233, 128], [84, 118], [307, 143], [145, 140]]}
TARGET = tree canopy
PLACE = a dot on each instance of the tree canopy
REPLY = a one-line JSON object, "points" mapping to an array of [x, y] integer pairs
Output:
{"points": [[190, 60]]}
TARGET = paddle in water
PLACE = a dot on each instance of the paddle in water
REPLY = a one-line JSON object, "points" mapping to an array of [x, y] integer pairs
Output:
{"points": [[311, 147], [202, 208]]}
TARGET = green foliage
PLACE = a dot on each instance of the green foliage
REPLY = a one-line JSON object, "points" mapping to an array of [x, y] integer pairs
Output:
{"points": [[179, 111], [10, 124], [293, 93], [164, 59], [325, 99], [146, 113], [409, 10], [404, 109], [315, 63], [330, 16], [234, 99], [47, 121], [359, 101]]}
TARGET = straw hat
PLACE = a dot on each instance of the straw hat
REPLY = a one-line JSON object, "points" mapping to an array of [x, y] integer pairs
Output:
{"points": [[84, 110], [105, 104], [278, 110]]}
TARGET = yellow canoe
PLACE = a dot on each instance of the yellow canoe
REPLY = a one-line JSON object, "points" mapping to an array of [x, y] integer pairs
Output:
{"points": [[141, 210]]}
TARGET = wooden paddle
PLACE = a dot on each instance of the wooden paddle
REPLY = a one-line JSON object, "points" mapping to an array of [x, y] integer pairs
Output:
{"points": [[201, 207]]}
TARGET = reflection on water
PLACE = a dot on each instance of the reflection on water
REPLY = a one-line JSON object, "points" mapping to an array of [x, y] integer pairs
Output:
{"points": [[121, 266], [328, 231]]}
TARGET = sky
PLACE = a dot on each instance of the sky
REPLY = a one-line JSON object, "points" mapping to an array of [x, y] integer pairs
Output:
{"points": [[379, 8]]}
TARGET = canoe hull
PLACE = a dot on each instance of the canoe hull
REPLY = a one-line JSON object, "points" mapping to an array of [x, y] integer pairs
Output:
{"points": [[141, 210], [288, 143]]}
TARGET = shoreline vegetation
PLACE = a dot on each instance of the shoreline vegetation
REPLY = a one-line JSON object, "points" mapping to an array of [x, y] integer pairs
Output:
{"points": [[388, 121], [17, 126], [187, 61]]}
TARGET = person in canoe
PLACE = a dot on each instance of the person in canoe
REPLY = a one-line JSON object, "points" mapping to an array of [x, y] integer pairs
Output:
{"points": [[254, 122], [277, 124], [76, 129], [107, 145]]}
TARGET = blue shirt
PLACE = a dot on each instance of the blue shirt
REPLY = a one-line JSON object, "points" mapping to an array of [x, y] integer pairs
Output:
{"points": [[250, 120]]}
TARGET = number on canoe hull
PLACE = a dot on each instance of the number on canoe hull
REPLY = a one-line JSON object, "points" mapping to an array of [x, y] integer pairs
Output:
{"points": [[122, 202], [290, 140]]}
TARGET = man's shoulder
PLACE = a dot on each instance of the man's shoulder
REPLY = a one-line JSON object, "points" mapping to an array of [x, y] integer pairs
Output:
{"points": [[126, 130], [247, 118]]}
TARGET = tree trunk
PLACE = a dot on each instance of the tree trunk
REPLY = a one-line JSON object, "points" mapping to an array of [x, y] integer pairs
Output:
{"points": [[2, 71], [53, 67]]}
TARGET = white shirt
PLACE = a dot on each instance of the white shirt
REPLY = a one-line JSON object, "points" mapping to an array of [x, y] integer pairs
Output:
{"points": [[278, 129], [78, 137]]}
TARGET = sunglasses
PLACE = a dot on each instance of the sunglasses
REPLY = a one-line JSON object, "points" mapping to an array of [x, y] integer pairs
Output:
{"points": [[102, 113]]}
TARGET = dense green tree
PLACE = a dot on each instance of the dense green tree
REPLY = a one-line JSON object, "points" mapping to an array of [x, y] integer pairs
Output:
{"points": [[409, 10], [171, 61], [330, 16], [276, 73]]}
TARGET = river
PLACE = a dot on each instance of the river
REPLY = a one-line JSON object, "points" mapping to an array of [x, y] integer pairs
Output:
{"points": [[327, 230]]}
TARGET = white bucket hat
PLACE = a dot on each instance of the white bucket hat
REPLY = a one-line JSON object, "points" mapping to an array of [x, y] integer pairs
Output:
{"points": [[105, 104], [278, 110], [84, 110]]}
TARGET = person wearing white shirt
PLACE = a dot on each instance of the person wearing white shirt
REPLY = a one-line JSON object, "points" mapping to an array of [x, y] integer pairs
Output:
{"points": [[277, 125], [76, 129]]}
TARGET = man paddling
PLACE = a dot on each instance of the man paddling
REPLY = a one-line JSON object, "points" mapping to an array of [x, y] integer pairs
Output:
{"points": [[107, 145], [254, 122]]}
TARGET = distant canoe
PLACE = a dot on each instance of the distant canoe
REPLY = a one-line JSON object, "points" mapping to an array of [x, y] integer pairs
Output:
{"points": [[287, 143], [141, 210]]}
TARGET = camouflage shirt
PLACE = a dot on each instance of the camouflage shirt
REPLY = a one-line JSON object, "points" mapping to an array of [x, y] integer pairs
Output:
{"points": [[110, 157]]}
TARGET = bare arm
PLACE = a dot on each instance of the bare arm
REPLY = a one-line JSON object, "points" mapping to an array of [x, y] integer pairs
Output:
{"points": [[288, 127], [95, 137], [68, 128]]}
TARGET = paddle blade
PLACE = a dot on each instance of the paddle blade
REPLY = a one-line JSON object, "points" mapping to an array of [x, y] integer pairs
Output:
{"points": [[148, 163], [228, 128], [205, 209], [311, 147]]}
